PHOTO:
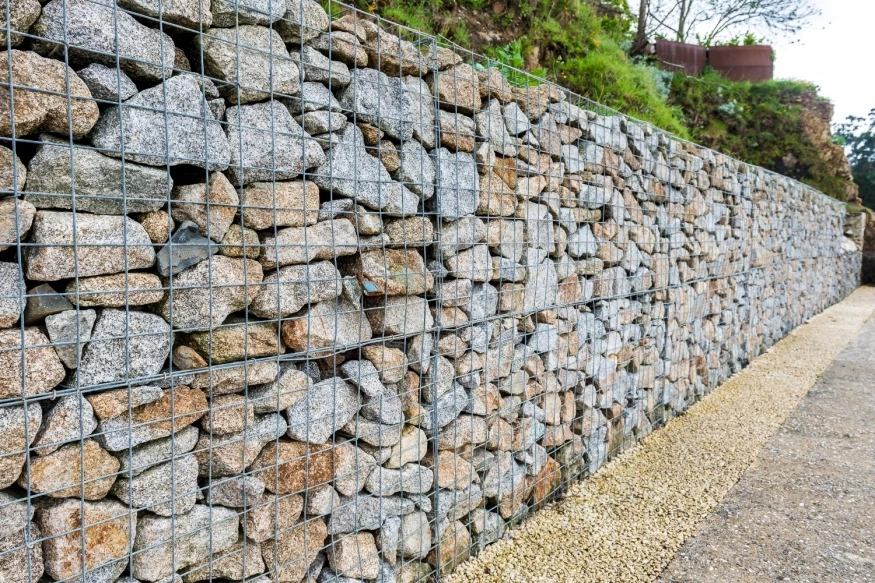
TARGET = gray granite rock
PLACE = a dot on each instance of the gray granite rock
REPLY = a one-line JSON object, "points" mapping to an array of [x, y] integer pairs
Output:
{"points": [[410, 479], [21, 16], [16, 215], [105, 244], [211, 205], [422, 109], [268, 144], [298, 245], [415, 536], [186, 247], [303, 20], [364, 375], [492, 127], [158, 451], [401, 315], [287, 290], [42, 301], [327, 406], [227, 13], [235, 492], [364, 512], [290, 385], [107, 83], [65, 552], [163, 544], [458, 191], [417, 169], [188, 13], [516, 121], [146, 54], [318, 68], [180, 130], [381, 101], [320, 122], [70, 419], [100, 183], [124, 344], [312, 97], [167, 489], [444, 410], [12, 292], [251, 60], [18, 428], [204, 295], [350, 171]]}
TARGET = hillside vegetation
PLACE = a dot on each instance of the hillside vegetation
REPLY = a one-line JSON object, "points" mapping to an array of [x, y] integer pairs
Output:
{"points": [[582, 45]]}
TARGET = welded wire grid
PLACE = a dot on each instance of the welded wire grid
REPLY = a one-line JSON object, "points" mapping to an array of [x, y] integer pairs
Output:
{"points": [[308, 295]]}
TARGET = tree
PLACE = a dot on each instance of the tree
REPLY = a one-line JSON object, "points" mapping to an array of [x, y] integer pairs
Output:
{"points": [[858, 135], [707, 20]]}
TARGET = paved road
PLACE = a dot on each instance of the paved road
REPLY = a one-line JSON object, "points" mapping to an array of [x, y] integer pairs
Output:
{"points": [[804, 512]]}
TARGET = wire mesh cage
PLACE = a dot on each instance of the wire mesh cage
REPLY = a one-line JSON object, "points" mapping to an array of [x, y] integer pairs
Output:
{"points": [[292, 293]]}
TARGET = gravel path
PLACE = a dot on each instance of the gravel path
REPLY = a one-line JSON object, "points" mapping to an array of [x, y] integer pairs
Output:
{"points": [[805, 510], [628, 522]]}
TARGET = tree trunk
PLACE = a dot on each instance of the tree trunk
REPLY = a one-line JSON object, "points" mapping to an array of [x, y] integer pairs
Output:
{"points": [[639, 45]]}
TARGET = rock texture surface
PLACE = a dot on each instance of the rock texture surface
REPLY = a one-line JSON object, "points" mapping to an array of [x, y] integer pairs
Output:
{"points": [[348, 307]]}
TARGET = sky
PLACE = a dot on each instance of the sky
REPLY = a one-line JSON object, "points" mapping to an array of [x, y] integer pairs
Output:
{"points": [[835, 52]]}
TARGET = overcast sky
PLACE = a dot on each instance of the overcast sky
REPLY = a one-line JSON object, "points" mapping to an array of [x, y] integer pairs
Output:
{"points": [[835, 52]]}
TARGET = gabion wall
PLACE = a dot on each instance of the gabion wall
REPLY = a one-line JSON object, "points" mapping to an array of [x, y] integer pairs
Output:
{"points": [[296, 298]]}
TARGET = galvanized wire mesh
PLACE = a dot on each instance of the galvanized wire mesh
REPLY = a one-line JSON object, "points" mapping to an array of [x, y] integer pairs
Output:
{"points": [[302, 297]]}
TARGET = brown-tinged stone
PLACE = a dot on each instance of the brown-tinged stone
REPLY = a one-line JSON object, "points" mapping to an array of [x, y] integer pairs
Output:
{"points": [[391, 363], [18, 428], [497, 199], [411, 448], [235, 340], [452, 547], [388, 154], [355, 555], [342, 46], [326, 325], [44, 104], [505, 168], [158, 225], [233, 379], [410, 231], [451, 471], [228, 414], [210, 206], [60, 474], [457, 88], [103, 244], [288, 556], [109, 404], [187, 358], [42, 367], [457, 131], [240, 242], [177, 408], [391, 272], [372, 134], [273, 514], [77, 532], [281, 204], [546, 482], [16, 215], [492, 84], [289, 467], [115, 291]]}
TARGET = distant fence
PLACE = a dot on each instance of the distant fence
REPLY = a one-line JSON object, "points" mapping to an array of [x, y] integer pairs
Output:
{"points": [[736, 63]]}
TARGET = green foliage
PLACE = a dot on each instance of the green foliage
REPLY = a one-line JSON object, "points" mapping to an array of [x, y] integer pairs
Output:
{"points": [[508, 59], [858, 133], [760, 123]]}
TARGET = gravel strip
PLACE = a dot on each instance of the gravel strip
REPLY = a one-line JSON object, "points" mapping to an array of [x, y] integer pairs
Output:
{"points": [[630, 519]]}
